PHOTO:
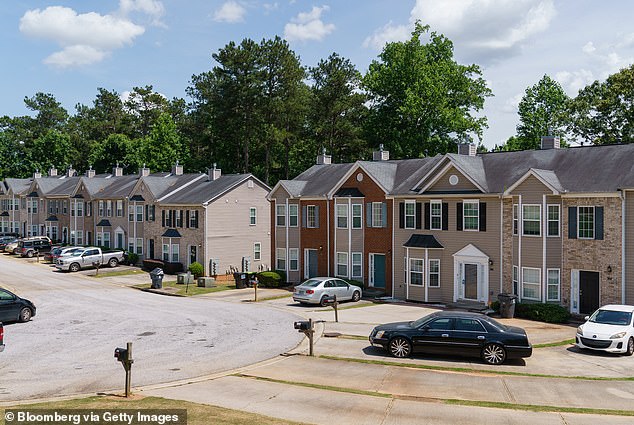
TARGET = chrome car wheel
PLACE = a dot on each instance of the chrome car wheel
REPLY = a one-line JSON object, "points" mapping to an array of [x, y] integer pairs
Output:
{"points": [[493, 354], [356, 296], [630, 347], [400, 347], [25, 314]]}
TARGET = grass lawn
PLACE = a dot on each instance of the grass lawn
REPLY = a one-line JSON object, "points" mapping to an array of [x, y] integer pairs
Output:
{"points": [[197, 414], [105, 272], [179, 289]]}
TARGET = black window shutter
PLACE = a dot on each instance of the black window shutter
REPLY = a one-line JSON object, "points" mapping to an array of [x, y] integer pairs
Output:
{"points": [[419, 215], [445, 216], [317, 216], [163, 218], [182, 217], [368, 221], [304, 215], [401, 215], [598, 223], [483, 217], [572, 222], [459, 216], [187, 219], [427, 215], [146, 212], [384, 213]]}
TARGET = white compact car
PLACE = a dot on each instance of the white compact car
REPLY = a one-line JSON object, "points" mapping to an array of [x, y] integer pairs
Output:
{"points": [[610, 329]]}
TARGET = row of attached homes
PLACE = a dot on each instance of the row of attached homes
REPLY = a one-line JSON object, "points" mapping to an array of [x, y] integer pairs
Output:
{"points": [[220, 221], [550, 225]]}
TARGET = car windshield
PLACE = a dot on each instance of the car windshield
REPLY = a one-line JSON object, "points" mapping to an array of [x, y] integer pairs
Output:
{"points": [[418, 323], [311, 283], [611, 317]]}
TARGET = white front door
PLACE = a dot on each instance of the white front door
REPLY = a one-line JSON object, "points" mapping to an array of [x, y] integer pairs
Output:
{"points": [[471, 274]]}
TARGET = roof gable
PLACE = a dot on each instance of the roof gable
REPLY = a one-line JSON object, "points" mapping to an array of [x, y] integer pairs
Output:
{"points": [[546, 178], [470, 168]]}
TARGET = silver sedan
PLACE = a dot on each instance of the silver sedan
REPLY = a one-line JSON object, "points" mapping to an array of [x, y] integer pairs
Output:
{"points": [[318, 290]]}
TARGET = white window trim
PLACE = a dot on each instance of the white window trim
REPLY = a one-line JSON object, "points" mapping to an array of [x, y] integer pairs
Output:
{"points": [[278, 215], [431, 215], [429, 273], [360, 264], [422, 272], [259, 251], [337, 216], [312, 225], [548, 221], [539, 284], [360, 216], [296, 215], [279, 257], [558, 285], [374, 214], [251, 209], [413, 215], [290, 259], [470, 201], [341, 264], [516, 219], [594, 224], [540, 221]]}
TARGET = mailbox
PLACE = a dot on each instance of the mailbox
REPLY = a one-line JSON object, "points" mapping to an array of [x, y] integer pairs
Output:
{"points": [[302, 325], [330, 301], [121, 354]]}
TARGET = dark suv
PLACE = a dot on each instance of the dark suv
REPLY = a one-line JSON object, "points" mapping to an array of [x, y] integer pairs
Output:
{"points": [[29, 248]]}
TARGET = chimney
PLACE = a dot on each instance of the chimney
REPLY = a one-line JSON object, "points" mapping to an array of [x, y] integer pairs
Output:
{"points": [[37, 174], [214, 173], [550, 142], [380, 155], [90, 173], [117, 171], [324, 159], [144, 171], [71, 171], [467, 149], [177, 170], [52, 172]]}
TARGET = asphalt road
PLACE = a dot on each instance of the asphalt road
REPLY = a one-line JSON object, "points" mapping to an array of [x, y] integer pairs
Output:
{"points": [[67, 348]]}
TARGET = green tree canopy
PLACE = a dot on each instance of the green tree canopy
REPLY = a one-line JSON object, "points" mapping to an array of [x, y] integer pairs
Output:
{"points": [[422, 100]]}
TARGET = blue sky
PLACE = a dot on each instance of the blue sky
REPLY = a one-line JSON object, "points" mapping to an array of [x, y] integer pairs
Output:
{"points": [[70, 48]]}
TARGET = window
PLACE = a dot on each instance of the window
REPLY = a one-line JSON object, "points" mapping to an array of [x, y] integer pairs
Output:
{"points": [[293, 259], [357, 216], [281, 217], [178, 218], [100, 208], [515, 280], [280, 258], [434, 273], [64, 207], [293, 212], [119, 208], [416, 269], [79, 237], [151, 213], [139, 213], [468, 325], [342, 264], [410, 214], [357, 263], [342, 216], [253, 216], [175, 252], [311, 216], [131, 213], [99, 238], [377, 214], [552, 290], [471, 215], [531, 220], [139, 246], [515, 219], [80, 209], [257, 251], [88, 209], [553, 220], [531, 283], [130, 245], [109, 208], [193, 219], [166, 252], [586, 222], [436, 215], [106, 239]]}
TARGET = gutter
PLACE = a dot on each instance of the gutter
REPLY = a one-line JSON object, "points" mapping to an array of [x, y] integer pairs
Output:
{"points": [[622, 196]]}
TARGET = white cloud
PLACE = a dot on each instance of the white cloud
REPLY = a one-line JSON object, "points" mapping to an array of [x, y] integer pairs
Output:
{"points": [[269, 7], [308, 26], [573, 81], [387, 34], [87, 38], [230, 12], [512, 104], [589, 48]]}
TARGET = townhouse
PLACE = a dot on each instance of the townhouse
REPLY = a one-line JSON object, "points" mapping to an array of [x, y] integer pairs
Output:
{"points": [[550, 225], [11, 191]]}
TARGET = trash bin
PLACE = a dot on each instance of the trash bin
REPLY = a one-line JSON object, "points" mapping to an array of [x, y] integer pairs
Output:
{"points": [[507, 305], [241, 280], [157, 278]]}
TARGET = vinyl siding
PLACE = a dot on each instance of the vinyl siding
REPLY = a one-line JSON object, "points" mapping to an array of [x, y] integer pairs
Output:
{"points": [[443, 185]]}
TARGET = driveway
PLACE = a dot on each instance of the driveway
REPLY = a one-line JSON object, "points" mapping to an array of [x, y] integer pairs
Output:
{"points": [[68, 346]]}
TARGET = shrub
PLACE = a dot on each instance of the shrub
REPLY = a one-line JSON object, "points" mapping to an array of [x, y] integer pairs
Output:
{"points": [[354, 282], [495, 306], [133, 258], [271, 279], [150, 265], [196, 269], [282, 275], [550, 313]]}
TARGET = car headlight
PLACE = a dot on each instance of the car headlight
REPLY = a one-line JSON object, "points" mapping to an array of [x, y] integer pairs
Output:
{"points": [[580, 330], [379, 334], [619, 335]]}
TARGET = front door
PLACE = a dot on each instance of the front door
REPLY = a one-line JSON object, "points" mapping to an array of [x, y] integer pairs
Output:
{"points": [[150, 248], [377, 270], [310, 257], [588, 292], [193, 254], [471, 281], [119, 240]]}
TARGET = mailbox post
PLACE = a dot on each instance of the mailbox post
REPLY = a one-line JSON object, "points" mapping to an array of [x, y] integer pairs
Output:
{"points": [[124, 355], [307, 327], [96, 265], [332, 301]]}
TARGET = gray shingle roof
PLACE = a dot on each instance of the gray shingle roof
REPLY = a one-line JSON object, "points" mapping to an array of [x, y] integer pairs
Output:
{"points": [[205, 190], [47, 185], [17, 186], [161, 185]]}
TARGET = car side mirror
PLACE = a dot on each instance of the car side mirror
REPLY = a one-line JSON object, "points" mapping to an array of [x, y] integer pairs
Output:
{"points": [[586, 318], [426, 328]]}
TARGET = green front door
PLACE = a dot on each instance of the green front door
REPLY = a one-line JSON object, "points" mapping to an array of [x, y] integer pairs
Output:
{"points": [[378, 270]]}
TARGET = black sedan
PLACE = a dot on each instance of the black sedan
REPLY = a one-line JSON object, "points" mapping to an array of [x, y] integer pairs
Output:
{"points": [[14, 308], [454, 333]]}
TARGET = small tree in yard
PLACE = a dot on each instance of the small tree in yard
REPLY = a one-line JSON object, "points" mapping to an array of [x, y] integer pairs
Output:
{"points": [[196, 269]]}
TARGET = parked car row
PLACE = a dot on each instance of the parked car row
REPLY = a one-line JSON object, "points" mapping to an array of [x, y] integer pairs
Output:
{"points": [[27, 247]]}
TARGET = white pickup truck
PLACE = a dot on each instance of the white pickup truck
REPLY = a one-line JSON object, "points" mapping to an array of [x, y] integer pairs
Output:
{"points": [[89, 257]]}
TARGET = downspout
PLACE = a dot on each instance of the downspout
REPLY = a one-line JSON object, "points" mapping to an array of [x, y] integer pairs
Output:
{"points": [[328, 234], [502, 242], [520, 230], [206, 253], [393, 247], [622, 196], [350, 237], [407, 274], [544, 218], [286, 223], [426, 275]]}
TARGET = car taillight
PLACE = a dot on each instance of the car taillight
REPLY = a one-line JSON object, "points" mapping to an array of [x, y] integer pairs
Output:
{"points": [[310, 291], [1, 333]]}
